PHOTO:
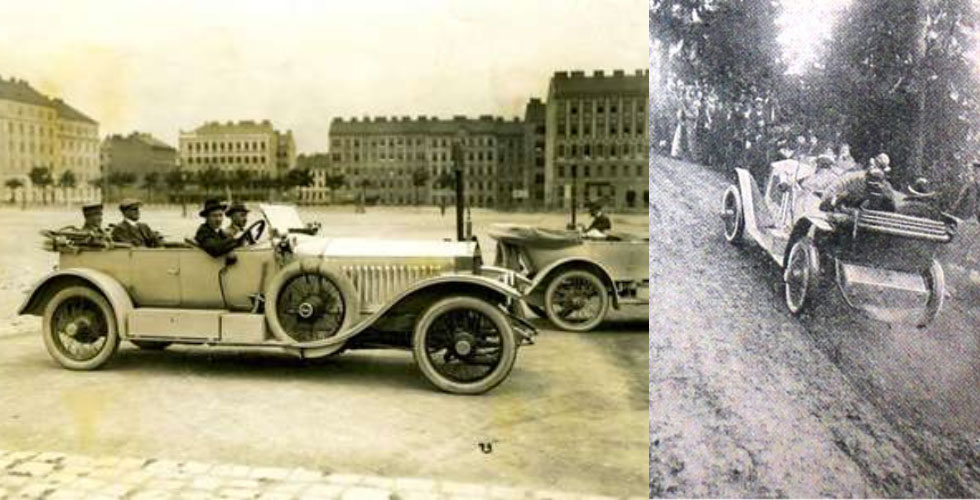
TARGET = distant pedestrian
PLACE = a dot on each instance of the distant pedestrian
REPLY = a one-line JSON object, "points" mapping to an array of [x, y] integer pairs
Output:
{"points": [[131, 230]]}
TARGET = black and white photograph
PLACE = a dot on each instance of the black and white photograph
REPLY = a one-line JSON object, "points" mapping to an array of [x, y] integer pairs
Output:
{"points": [[815, 272], [324, 250]]}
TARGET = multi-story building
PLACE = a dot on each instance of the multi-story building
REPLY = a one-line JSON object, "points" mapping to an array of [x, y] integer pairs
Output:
{"points": [[399, 160], [36, 131], [137, 153], [249, 145], [597, 139], [535, 134]]}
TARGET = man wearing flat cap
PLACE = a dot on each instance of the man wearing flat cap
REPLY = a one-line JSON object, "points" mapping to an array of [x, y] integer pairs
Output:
{"points": [[93, 225], [210, 237], [131, 230], [238, 215]]}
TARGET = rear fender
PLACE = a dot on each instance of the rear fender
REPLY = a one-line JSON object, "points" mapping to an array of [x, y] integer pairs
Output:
{"points": [[51, 284], [543, 277]]}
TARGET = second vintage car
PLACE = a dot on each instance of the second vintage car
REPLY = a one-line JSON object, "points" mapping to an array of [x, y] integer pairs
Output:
{"points": [[308, 295], [570, 278], [882, 261]]}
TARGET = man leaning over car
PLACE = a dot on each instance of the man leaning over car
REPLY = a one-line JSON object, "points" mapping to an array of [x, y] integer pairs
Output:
{"points": [[210, 236]]}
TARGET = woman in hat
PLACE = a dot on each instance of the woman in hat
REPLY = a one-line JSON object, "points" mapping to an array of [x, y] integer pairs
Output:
{"points": [[209, 235]]}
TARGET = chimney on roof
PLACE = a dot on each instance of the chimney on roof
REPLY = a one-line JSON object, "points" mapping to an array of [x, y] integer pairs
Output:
{"points": [[618, 72], [598, 73], [578, 74], [640, 72], [561, 74]]}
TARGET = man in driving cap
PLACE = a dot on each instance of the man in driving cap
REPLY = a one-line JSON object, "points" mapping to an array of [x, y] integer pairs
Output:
{"points": [[210, 237], [93, 224], [131, 230], [238, 215]]}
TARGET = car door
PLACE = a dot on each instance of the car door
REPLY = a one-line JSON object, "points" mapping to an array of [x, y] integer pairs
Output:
{"points": [[155, 277]]}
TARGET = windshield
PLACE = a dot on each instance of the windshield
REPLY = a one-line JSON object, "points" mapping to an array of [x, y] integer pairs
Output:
{"points": [[282, 218]]}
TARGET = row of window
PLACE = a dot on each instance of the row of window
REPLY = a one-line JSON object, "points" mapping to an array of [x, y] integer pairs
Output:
{"points": [[48, 148], [41, 130], [226, 160], [590, 171], [445, 142], [600, 150], [225, 146], [601, 130], [587, 106], [478, 156]]}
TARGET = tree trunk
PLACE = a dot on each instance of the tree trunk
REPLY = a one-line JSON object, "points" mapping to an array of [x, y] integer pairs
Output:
{"points": [[916, 161]]}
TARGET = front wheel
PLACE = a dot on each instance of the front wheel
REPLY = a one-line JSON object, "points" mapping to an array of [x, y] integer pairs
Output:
{"points": [[80, 328], [802, 275], [464, 345], [936, 281], [576, 300], [732, 215]]}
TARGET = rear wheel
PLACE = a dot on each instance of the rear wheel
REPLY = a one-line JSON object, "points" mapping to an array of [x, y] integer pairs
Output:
{"points": [[576, 300], [732, 215], [802, 275], [464, 345], [936, 281], [80, 328]]}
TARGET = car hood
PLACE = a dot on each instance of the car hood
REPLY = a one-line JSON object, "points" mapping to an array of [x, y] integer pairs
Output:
{"points": [[375, 247]]}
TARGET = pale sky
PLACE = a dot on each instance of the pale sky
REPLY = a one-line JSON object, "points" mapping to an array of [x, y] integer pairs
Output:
{"points": [[165, 66]]}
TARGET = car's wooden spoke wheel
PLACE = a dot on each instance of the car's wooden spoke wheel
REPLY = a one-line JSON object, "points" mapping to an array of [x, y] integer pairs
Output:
{"points": [[801, 276], [732, 215], [80, 328], [464, 345], [310, 307], [576, 300]]}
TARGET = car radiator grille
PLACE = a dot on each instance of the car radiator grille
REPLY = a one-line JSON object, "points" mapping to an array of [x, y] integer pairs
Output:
{"points": [[376, 285], [903, 225]]}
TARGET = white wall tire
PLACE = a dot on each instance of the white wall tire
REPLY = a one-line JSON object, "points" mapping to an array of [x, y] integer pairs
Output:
{"points": [[79, 328], [578, 292], [447, 344]]}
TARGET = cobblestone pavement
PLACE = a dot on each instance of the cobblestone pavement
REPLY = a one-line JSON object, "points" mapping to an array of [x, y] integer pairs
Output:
{"points": [[58, 476]]}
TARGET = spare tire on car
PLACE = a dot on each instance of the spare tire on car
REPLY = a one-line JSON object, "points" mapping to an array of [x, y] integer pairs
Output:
{"points": [[310, 301]]}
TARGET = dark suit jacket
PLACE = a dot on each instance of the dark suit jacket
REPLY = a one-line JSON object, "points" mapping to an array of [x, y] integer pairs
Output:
{"points": [[600, 222], [139, 234], [215, 242]]}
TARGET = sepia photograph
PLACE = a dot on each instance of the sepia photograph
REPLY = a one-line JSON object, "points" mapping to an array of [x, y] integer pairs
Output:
{"points": [[815, 299], [325, 250]]}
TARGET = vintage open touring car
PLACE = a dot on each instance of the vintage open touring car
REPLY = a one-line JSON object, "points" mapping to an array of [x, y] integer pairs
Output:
{"points": [[882, 260], [570, 278], [308, 295]]}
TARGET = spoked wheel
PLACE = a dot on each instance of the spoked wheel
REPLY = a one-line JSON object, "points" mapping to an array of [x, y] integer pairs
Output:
{"points": [[310, 307], [80, 328], [576, 300], [732, 215], [802, 275], [464, 345], [151, 345], [936, 281]]}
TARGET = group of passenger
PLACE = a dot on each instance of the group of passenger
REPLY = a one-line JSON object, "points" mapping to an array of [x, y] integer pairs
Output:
{"points": [[211, 236], [842, 182]]}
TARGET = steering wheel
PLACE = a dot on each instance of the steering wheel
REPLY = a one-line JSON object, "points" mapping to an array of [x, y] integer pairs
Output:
{"points": [[260, 224]]}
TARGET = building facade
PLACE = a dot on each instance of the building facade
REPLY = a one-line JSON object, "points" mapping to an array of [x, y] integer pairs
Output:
{"points": [[36, 131], [137, 153], [243, 145], [596, 139], [399, 160]]}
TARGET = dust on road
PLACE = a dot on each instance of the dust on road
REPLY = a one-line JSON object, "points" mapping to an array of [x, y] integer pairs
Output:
{"points": [[746, 400]]}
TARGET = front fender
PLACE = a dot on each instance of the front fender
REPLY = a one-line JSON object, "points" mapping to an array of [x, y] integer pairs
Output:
{"points": [[113, 291], [544, 276]]}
